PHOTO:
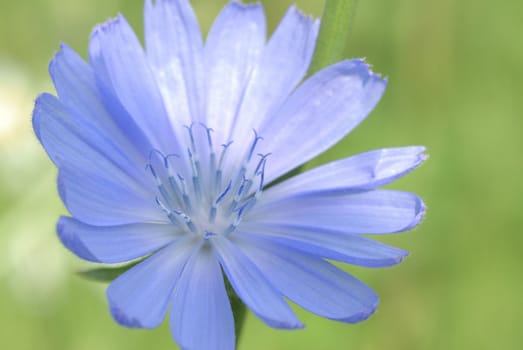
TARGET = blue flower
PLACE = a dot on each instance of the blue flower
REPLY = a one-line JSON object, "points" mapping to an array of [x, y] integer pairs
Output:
{"points": [[169, 153]]}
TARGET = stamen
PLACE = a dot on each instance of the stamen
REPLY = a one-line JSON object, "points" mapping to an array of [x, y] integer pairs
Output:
{"points": [[261, 174], [209, 138], [219, 173], [253, 146], [207, 235], [149, 167], [160, 185], [245, 207], [172, 179], [212, 213], [191, 136], [241, 211], [243, 169], [185, 196], [169, 213], [212, 160], [261, 162], [187, 220], [239, 178], [224, 193], [196, 169], [240, 194], [189, 192], [152, 152]]}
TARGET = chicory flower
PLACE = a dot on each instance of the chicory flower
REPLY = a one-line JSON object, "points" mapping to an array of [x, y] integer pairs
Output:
{"points": [[173, 153]]}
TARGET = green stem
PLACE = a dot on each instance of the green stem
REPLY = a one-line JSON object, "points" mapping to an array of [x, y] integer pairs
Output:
{"points": [[239, 310], [336, 23]]}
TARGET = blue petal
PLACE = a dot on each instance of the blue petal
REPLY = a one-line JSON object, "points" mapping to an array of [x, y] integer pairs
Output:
{"points": [[139, 298], [348, 248], [175, 53], [96, 179], [282, 65], [114, 244], [92, 106], [318, 114], [117, 57], [364, 171], [311, 282], [379, 211], [232, 50], [201, 316], [253, 288], [102, 199], [71, 141]]}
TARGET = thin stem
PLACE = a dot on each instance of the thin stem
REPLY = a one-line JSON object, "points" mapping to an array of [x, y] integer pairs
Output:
{"points": [[336, 24], [239, 310]]}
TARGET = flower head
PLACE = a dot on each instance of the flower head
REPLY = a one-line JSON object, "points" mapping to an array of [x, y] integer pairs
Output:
{"points": [[169, 152]]}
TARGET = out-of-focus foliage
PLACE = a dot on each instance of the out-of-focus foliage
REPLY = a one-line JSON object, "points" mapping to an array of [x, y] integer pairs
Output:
{"points": [[455, 72]]}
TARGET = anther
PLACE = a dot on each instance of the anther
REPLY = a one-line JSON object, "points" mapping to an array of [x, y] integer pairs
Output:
{"points": [[196, 169], [207, 235], [218, 177], [160, 185], [261, 174], [262, 161], [253, 146], [191, 136], [212, 158], [152, 152], [209, 138], [224, 193], [149, 167], [172, 177], [168, 212], [187, 220], [185, 196]]}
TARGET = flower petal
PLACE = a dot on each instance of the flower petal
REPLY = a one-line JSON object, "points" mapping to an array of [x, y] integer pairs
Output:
{"points": [[364, 171], [380, 211], [113, 244], [348, 248], [312, 283], [106, 198], [232, 50], [114, 53], [282, 65], [88, 100], [175, 53], [201, 316], [253, 288], [96, 178], [70, 141], [319, 113], [139, 298]]}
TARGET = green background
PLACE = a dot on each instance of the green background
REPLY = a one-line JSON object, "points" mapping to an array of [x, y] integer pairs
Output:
{"points": [[455, 85]]}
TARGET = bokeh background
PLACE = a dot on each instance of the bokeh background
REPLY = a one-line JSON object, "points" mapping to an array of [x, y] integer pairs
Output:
{"points": [[455, 73]]}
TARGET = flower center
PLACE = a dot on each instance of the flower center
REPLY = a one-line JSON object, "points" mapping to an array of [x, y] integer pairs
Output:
{"points": [[198, 192]]}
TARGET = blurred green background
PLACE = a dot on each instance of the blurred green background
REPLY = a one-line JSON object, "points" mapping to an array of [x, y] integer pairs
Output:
{"points": [[455, 73]]}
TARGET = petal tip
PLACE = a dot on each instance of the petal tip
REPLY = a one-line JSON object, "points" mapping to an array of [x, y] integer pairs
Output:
{"points": [[121, 318], [108, 26], [245, 6], [37, 115], [284, 325], [423, 156], [364, 314], [302, 16], [402, 256], [71, 241], [421, 210]]}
